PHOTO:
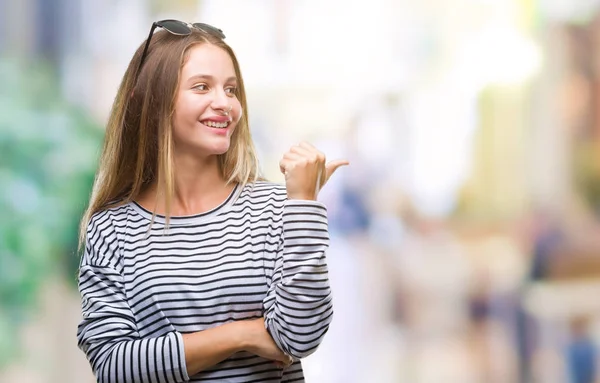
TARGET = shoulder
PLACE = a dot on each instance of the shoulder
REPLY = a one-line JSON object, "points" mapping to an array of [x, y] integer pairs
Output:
{"points": [[264, 190], [103, 237], [106, 219], [263, 195]]}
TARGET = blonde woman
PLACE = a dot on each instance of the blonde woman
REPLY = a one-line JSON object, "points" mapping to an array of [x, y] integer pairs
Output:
{"points": [[194, 268]]}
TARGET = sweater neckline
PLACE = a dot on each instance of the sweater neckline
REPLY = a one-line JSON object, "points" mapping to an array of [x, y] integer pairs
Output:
{"points": [[187, 219]]}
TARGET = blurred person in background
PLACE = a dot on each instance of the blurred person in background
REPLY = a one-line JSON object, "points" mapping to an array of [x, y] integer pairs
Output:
{"points": [[196, 269], [431, 277], [581, 352]]}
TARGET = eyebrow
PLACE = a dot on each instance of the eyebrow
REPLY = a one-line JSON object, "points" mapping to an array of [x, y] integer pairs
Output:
{"points": [[209, 77]]}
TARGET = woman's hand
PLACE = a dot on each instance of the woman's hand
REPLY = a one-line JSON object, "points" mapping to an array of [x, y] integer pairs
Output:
{"points": [[306, 172], [258, 341]]}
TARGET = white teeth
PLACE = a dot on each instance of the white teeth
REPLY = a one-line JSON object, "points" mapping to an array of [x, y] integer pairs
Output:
{"points": [[213, 124]]}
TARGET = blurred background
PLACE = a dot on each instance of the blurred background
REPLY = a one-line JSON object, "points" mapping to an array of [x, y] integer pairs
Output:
{"points": [[465, 233]]}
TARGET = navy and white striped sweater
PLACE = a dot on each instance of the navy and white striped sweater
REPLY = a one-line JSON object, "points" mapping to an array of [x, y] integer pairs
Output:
{"points": [[257, 254]]}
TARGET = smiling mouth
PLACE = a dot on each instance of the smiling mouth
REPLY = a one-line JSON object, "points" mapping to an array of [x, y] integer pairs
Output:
{"points": [[218, 125]]}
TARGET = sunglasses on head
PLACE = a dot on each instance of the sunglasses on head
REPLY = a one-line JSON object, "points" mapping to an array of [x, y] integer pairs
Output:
{"points": [[178, 28]]}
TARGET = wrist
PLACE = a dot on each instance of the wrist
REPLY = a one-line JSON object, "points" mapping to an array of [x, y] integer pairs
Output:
{"points": [[302, 197], [242, 337], [247, 331]]}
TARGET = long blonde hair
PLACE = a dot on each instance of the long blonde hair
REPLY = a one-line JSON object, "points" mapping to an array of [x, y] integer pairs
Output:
{"points": [[138, 143]]}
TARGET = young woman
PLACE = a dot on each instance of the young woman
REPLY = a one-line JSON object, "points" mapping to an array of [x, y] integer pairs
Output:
{"points": [[194, 268]]}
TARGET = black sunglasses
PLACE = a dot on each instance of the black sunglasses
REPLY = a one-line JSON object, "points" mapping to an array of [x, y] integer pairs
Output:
{"points": [[178, 28]]}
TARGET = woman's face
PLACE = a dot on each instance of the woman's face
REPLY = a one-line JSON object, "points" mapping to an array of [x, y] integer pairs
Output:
{"points": [[206, 108]]}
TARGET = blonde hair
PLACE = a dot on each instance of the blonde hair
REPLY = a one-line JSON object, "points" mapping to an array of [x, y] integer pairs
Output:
{"points": [[138, 143]]}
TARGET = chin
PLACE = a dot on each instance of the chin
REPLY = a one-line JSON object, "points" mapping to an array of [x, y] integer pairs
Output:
{"points": [[220, 150]]}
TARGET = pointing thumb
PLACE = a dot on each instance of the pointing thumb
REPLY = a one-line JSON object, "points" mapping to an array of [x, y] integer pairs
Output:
{"points": [[332, 166]]}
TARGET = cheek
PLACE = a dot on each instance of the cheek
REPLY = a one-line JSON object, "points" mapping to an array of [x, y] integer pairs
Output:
{"points": [[238, 111], [181, 112], [189, 106]]}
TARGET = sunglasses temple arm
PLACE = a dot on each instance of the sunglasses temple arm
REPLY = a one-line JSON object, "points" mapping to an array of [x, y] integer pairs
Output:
{"points": [[137, 73]]}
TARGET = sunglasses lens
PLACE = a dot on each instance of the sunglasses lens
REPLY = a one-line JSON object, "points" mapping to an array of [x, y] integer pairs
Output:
{"points": [[210, 29], [175, 27]]}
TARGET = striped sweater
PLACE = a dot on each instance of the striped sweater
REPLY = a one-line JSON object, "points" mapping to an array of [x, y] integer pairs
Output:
{"points": [[257, 254]]}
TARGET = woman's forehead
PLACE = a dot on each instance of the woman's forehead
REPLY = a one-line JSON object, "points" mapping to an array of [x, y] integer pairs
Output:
{"points": [[208, 60]]}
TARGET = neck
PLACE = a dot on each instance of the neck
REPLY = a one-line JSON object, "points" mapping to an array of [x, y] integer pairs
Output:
{"points": [[198, 188]]}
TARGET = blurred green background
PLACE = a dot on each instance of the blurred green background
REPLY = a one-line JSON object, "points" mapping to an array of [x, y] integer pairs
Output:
{"points": [[49, 151]]}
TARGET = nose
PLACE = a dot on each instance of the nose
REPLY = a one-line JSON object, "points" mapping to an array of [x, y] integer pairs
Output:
{"points": [[220, 100]]}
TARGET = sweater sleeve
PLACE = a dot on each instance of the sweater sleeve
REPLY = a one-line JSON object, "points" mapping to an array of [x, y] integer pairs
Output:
{"points": [[107, 333], [298, 305]]}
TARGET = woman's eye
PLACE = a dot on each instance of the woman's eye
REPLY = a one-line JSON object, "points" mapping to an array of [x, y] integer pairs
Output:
{"points": [[230, 90], [201, 87]]}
